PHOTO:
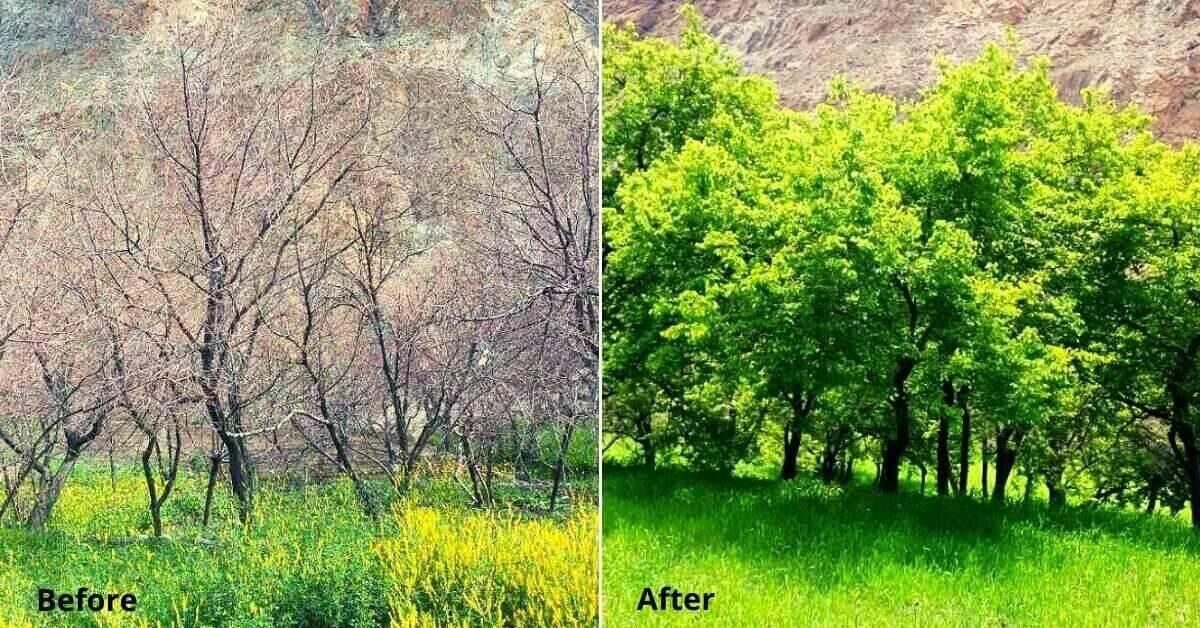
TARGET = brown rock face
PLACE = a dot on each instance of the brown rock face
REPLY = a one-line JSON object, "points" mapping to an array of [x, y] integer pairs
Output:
{"points": [[1146, 51]]}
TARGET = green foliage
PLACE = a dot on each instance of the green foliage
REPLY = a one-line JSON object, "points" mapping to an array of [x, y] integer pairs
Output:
{"points": [[657, 96], [882, 270]]}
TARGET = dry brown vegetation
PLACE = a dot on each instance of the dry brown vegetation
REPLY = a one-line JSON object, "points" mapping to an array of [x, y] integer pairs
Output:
{"points": [[1146, 51], [286, 249]]}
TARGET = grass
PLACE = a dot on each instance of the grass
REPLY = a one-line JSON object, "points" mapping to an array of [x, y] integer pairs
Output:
{"points": [[801, 553], [310, 559]]}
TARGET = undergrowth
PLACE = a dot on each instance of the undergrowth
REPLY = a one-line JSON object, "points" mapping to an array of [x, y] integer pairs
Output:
{"points": [[802, 553], [310, 558]]}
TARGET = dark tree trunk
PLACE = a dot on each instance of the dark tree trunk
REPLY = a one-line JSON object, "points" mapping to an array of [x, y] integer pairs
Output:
{"points": [[1058, 494], [1058, 497], [477, 497], [224, 417], [1152, 488], [649, 455], [889, 470], [240, 475], [1008, 441], [829, 465], [489, 473], [51, 488], [151, 488], [377, 18], [49, 493], [791, 451], [168, 472], [895, 446], [983, 474], [10, 491], [964, 441], [560, 464], [341, 448], [1181, 426], [847, 471], [214, 469], [832, 454], [801, 406], [943, 440], [1192, 471]]}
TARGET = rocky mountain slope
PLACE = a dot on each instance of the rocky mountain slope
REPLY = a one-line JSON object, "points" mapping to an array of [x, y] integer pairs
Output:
{"points": [[1147, 51], [477, 38]]}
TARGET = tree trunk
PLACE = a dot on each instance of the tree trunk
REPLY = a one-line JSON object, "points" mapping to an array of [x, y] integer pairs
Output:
{"points": [[1058, 494], [943, 440], [240, 475], [151, 488], [214, 469], [829, 457], [801, 406], [894, 447], [1152, 489], [983, 474], [559, 465], [49, 493], [889, 471], [649, 456], [1008, 440], [112, 462], [364, 496], [1181, 425], [376, 19], [489, 474], [847, 471], [964, 441], [10, 491], [341, 449], [472, 469], [1058, 497], [791, 451], [225, 418], [1192, 470]]}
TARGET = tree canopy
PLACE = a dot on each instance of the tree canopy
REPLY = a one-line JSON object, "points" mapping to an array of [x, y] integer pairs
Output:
{"points": [[984, 262]]}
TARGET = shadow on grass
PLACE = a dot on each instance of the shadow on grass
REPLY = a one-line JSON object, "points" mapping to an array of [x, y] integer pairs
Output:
{"points": [[833, 536]]}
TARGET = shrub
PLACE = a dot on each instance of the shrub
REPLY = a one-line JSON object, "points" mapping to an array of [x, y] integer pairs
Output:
{"points": [[479, 569]]}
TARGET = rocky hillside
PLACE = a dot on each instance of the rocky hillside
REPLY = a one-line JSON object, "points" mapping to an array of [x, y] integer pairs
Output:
{"points": [[473, 37], [1147, 51]]}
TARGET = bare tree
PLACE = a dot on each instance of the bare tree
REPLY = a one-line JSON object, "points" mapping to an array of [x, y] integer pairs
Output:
{"points": [[74, 399], [327, 339], [543, 195], [154, 405], [266, 255], [249, 167], [541, 212]]}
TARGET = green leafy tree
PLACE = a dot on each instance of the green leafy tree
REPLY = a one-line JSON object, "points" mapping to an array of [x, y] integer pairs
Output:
{"points": [[1143, 290], [985, 259]]}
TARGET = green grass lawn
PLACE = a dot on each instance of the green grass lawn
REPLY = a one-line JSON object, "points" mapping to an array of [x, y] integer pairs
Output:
{"points": [[310, 559], [803, 554]]}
